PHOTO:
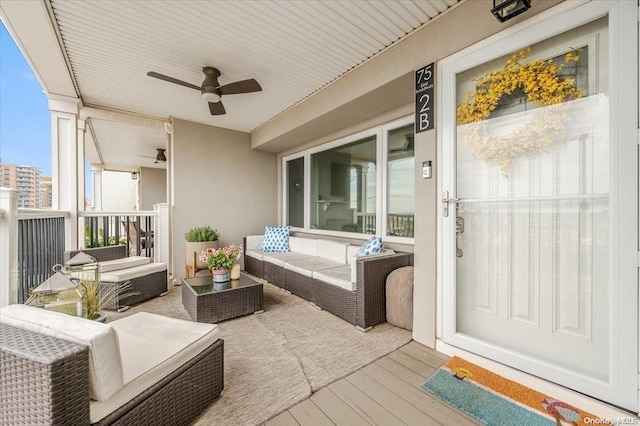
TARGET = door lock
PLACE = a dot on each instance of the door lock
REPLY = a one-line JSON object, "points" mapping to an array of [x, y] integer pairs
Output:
{"points": [[459, 231]]}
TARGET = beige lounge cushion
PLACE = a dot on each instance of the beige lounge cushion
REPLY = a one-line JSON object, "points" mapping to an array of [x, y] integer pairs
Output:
{"points": [[340, 277], [303, 245], [278, 259], [307, 266], [125, 262], [332, 250], [122, 275], [153, 346], [105, 367]]}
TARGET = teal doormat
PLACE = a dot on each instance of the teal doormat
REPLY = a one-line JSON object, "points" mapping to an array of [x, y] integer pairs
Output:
{"points": [[497, 401]]}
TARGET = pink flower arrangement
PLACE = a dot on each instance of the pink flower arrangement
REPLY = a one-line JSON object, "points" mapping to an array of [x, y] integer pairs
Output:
{"points": [[222, 258]]}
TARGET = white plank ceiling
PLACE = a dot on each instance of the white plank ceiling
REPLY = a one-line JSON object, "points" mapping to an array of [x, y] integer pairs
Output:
{"points": [[292, 48]]}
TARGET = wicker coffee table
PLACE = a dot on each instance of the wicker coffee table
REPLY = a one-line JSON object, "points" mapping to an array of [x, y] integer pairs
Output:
{"points": [[211, 303]]}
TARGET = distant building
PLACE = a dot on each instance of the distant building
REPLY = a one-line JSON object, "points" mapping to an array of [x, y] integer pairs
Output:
{"points": [[26, 180], [47, 192]]}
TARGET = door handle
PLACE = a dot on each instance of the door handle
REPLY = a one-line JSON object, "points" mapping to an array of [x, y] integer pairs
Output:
{"points": [[445, 203]]}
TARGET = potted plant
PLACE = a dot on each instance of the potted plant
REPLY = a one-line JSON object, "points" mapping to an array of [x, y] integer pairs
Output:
{"points": [[220, 261], [100, 297], [198, 239]]}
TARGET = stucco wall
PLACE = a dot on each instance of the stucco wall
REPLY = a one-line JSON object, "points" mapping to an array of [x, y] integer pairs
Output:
{"points": [[219, 181], [360, 96], [119, 192], [153, 187]]}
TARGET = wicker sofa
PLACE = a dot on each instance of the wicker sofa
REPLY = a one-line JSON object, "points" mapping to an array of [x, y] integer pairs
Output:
{"points": [[328, 274], [144, 369], [148, 279]]}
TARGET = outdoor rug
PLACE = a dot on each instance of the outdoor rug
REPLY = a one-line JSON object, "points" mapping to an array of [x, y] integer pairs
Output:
{"points": [[496, 400], [276, 359]]}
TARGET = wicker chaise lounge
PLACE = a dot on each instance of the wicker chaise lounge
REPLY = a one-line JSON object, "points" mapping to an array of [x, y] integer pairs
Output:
{"points": [[50, 377], [148, 279]]}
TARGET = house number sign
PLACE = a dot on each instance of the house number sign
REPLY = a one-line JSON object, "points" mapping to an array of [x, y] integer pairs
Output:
{"points": [[424, 98]]}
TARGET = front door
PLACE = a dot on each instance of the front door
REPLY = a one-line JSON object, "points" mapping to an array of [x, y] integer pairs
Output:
{"points": [[531, 203]]}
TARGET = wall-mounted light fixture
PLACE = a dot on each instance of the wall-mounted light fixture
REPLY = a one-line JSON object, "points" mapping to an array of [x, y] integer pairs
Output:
{"points": [[134, 175], [507, 9]]}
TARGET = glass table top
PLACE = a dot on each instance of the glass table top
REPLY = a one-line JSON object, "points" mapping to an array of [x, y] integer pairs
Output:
{"points": [[205, 285]]}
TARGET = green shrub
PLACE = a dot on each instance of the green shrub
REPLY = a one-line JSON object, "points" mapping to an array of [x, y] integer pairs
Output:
{"points": [[202, 233]]}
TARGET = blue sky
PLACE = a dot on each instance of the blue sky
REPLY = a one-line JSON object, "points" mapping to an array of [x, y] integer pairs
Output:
{"points": [[25, 121]]}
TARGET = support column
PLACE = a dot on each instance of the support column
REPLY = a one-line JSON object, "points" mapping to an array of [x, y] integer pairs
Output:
{"points": [[96, 181], [8, 246], [68, 168], [161, 235]]}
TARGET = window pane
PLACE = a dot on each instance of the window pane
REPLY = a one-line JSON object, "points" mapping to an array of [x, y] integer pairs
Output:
{"points": [[295, 192], [343, 188], [400, 182]]}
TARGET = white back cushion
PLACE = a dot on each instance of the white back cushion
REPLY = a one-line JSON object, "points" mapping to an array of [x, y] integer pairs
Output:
{"points": [[254, 242], [303, 245], [105, 366], [332, 250], [352, 252]]}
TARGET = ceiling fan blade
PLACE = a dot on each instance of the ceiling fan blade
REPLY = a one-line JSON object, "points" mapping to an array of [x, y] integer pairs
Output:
{"points": [[217, 108], [172, 80], [242, 86]]}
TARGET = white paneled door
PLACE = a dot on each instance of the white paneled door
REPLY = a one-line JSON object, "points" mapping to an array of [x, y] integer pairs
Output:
{"points": [[531, 228]]}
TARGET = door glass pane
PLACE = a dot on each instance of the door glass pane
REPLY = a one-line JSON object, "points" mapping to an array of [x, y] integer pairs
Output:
{"points": [[295, 192], [533, 172], [343, 187], [400, 182]]}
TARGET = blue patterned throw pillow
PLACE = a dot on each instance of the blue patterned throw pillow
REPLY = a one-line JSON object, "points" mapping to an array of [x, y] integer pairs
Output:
{"points": [[373, 245], [276, 239]]}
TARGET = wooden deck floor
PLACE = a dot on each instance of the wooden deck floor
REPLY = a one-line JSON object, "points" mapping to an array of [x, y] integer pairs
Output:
{"points": [[386, 392]]}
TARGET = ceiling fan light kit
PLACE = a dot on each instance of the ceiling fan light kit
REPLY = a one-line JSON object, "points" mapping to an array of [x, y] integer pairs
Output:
{"points": [[211, 90], [211, 97]]}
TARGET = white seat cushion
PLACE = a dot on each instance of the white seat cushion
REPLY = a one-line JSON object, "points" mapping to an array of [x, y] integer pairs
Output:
{"points": [[153, 346], [254, 253], [307, 266], [105, 367], [278, 259], [340, 277], [121, 275], [125, 262]]}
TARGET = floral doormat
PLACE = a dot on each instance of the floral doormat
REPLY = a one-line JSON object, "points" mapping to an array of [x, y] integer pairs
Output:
{"points": [[498, 401]]}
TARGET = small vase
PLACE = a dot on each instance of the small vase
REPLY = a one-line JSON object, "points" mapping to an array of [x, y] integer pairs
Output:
{"points": [[220, 275], [235, 272]]}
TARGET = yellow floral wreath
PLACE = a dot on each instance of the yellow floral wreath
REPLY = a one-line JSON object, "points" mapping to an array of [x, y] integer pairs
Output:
{"points": [[542, 85]]}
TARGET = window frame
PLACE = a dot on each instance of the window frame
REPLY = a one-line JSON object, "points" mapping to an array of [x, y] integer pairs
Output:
{"points": [[382, 145]]}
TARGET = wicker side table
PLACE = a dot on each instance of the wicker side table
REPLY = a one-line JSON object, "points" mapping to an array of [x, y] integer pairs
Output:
{"points": [[204, 303]]}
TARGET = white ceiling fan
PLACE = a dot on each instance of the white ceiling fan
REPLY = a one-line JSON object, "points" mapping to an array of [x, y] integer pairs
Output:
{"points": [[159, 158]]}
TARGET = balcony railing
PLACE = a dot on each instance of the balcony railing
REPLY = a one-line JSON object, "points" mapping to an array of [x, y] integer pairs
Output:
{"points": [[41, 245], [136, 230], [33, 241]]}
